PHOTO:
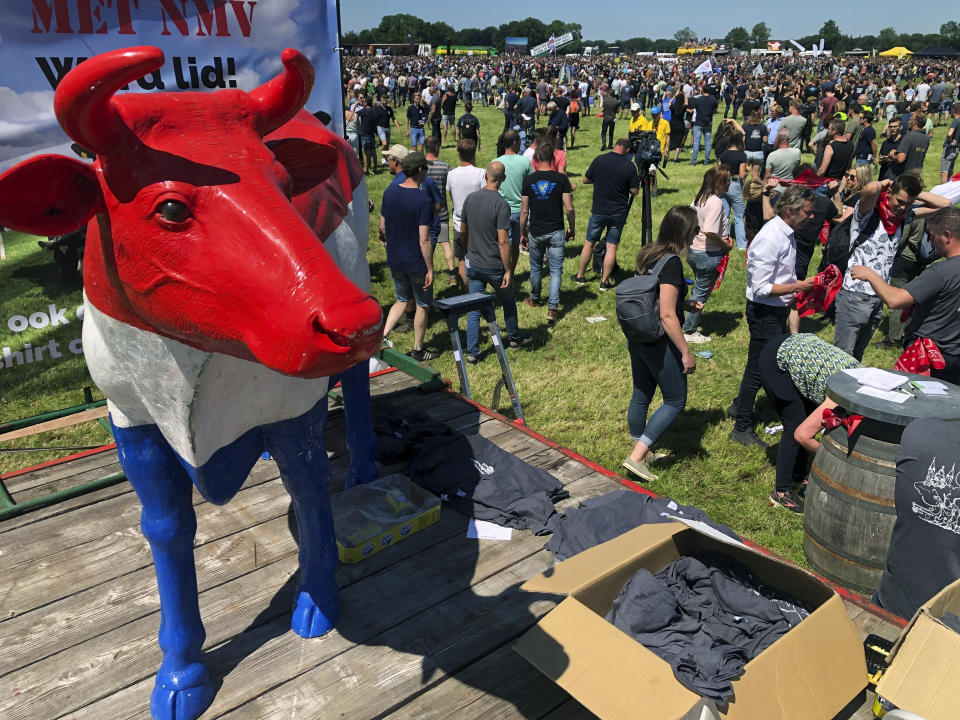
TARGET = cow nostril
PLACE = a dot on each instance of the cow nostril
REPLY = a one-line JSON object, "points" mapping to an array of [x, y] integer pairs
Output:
{"points": [[335, 337]]}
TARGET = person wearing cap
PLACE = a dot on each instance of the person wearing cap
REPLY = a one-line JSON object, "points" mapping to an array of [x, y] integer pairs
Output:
{"points": [[405, 216], [661, 127]]}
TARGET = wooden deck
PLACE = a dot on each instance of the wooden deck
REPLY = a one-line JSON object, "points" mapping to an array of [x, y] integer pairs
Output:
{"points": [[426, 630]]}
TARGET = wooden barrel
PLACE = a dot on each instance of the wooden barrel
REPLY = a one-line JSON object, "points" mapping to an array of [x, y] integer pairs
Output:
{"points": [[849, 510]]}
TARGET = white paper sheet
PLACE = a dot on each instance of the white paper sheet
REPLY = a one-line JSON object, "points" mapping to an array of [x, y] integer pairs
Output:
{"points": [[876, 378], [896, 397], [484, 530], [930, 387]]}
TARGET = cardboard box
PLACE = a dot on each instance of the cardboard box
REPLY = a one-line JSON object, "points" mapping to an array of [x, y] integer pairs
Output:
{"points": [[811, 672], [383, 524], [923, 674]]}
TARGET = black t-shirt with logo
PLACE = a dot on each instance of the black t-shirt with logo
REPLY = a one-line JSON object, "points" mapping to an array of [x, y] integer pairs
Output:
{"points": [[417, 115], [924, 553], [544, 191], [914, 144], [612, 176]]}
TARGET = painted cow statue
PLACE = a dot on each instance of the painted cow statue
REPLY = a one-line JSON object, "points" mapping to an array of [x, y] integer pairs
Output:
{"points": [[225, 280]]}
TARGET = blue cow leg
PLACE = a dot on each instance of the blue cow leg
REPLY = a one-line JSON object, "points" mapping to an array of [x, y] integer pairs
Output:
{"points": [[298, 447], [361, 440], [183, 689]]}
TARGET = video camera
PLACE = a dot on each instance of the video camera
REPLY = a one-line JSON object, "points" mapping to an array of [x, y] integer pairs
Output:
{"points": [[645, 147]]}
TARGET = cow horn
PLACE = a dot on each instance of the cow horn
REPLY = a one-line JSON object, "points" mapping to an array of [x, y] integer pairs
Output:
{"points": [[83, 101], [279, 99]]}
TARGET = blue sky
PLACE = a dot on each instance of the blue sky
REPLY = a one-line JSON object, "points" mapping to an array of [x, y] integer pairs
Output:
{"points": [[623, 19]]}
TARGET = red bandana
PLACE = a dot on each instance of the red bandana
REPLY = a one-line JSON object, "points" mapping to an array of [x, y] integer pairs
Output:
{"points": [[890, 221], [808, 178], [922, 355], [826, 286], [839, 416], [721, 270]]}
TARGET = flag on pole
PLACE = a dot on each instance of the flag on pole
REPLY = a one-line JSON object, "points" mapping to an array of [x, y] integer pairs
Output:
{"points": [[704, 68], [758, 70], [552, 44]]}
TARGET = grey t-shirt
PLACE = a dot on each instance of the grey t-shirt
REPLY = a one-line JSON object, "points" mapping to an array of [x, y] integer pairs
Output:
{"points": [[794, 124], [937, 314], [914, 144], [484, 212], [783, 161]]}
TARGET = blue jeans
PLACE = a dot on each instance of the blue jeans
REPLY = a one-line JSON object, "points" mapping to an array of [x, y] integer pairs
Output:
{"points": [[514, 228], [416, 137], [655, 365], [699, 132], [734, 200], [550, 245], [704, 264], [477, 281]]}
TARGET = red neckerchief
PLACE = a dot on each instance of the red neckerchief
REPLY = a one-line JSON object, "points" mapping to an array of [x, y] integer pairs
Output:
{"points": [[825, 288], [721, 270], [839, 416], [921, 355], [890, 221]]}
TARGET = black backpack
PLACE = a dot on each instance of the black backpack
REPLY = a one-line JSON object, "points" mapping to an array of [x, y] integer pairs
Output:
{"points": [[638, 305], [839, 246]]}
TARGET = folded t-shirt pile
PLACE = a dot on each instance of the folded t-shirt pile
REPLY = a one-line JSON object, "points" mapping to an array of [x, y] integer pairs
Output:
{"points": [[707, 616], [399, 431], [603, 518]]}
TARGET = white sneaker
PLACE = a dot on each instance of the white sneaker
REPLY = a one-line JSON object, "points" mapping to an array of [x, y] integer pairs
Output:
{"points": [[696, 338]]}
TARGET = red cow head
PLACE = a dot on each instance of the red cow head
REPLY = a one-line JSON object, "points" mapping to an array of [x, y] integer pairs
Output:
{"points": [[194, 235]]}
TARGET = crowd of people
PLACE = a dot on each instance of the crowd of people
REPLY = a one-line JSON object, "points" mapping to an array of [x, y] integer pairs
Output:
{"points": [[860, 193]]}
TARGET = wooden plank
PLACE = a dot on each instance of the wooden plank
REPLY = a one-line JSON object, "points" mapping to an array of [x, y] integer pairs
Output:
{"points": [[28, 480], [383, 673], [60, 573], [267, 655], [66, 530], [56, 424], [570, 710], [520, 691], [54, 486]]}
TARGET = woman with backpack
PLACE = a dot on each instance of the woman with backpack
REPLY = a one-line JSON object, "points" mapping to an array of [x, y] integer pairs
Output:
{"points": [[666, 361], [711, 244]]}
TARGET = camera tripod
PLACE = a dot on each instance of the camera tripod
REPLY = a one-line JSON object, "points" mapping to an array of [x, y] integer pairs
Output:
{"points": [[646, 214]]}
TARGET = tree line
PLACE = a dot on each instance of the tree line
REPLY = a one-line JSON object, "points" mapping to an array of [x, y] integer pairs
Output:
{"points": [[405, 28]]}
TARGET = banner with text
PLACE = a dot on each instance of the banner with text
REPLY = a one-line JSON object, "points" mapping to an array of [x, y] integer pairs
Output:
{"points": [[207, 44]]}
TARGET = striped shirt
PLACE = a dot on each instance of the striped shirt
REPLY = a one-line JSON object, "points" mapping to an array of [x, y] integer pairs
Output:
{"points": [[437, 171]]}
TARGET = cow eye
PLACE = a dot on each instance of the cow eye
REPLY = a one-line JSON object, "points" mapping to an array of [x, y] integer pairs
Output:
{"points": [[173, 211]]}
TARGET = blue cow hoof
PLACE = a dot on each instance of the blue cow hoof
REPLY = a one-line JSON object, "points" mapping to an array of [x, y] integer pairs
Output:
{"points": [[310, 620], [181, 695]]}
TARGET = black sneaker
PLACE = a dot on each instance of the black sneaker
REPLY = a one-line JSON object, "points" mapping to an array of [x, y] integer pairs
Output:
{"points": [[604, 286], [788, 500], [423, 355], [746, 437], [520, 342], [580, 280]]}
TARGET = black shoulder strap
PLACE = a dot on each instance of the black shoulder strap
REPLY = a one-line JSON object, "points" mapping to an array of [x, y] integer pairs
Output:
{"points": [[869, 229], [660, 263]]}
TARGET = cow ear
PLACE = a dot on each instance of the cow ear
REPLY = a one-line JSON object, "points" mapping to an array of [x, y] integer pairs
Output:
{"points": [[48, 195], [308, 163]]}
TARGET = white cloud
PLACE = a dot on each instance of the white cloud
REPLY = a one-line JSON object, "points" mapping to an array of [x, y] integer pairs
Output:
{"points": [[247, 79], [26, 112]]}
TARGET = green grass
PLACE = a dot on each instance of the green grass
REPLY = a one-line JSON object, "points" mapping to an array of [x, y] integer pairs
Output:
{"points": [[574, 383]]}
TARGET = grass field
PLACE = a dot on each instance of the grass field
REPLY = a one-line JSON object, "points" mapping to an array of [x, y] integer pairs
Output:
{"points": [[574, 382]]}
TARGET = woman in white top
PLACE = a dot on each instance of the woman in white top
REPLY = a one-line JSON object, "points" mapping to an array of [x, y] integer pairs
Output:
{"points": [[710, 245]]}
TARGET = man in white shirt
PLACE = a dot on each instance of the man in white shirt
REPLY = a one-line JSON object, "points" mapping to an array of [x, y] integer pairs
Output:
{"points": [[771, 284], [875, 234], [461, 181]]}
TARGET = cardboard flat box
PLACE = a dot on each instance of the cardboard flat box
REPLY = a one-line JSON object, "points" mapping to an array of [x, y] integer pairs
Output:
{"points": [[811, 672], [924, 672]]}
